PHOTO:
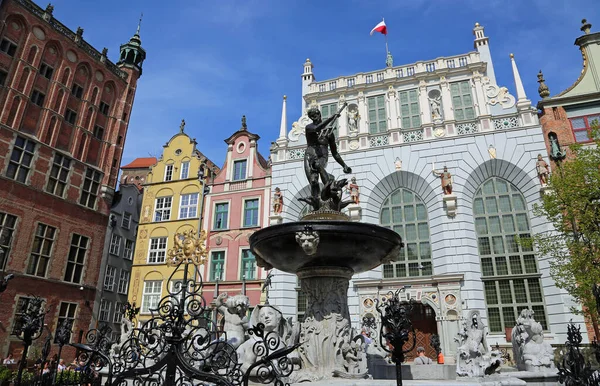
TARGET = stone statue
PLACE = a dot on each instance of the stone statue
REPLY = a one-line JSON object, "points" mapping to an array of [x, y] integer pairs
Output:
{"points": [[492, 151], [319, 140], [542, 170], [530, 351], [436, 111], [234, 311], [446, 178], [126, 330], [354, 191], [277, 201], [308, 239], [353, 118], [389, 60], [474, 357]]}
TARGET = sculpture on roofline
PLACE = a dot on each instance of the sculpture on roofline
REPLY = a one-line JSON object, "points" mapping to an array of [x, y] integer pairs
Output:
{"points": [[530, 350]]}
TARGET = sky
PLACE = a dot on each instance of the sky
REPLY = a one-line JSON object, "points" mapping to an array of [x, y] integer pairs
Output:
{"points": [[210, 62]]}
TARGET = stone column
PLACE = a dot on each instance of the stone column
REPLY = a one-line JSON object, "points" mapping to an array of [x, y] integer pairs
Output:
{"points": [[363, 110], [326, 326]]}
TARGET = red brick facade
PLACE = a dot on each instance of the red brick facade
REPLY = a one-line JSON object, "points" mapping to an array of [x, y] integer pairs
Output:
{"points": [[68, 100]]}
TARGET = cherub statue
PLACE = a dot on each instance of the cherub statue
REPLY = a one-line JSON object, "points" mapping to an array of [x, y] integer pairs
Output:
{"points": [[234, 311], [277, 201]]}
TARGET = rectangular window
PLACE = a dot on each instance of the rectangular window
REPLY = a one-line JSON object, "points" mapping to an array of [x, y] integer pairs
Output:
{"points": [[104, 315], [109, 278], [8, 47], [46, 71], [126, 221], [239, 170], [104, 108], [38, 98], [41, 250], [20, 159], [98, 132], [351, 82], [20, 309], [162, 210], [123, 282], [217, 265], [185, 170], [377, 114], [128, 252], [77, 91], [76, 259], [251, 213], [248, 265], [7, 228], [369, 79], [221, 214], [151, 295], [462, 101], [70, 116], [409, 109], [582, 127], [158, 250], [168, 172], [327, 111], [3, 76], [115, 244], [57, 181], [66, 311], [188, 208], [119, 313], [89, 191]]}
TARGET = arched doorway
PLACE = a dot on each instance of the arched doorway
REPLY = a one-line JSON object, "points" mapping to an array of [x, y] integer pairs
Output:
{"points": [[423, 320]]}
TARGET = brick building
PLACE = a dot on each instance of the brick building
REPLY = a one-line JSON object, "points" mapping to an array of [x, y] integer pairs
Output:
{"points": [[567, 117], [137, 171], [64, 113]]}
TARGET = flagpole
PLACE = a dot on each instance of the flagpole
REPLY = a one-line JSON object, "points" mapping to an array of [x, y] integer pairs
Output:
{"points": [[386, 42]]}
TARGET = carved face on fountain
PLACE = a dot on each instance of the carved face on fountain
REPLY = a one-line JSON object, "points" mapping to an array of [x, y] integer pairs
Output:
{"points": [[308, 241], [269, 317]]}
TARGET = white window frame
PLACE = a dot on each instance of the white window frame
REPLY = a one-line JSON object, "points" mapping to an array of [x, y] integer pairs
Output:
{"points": [[162, 212], [123, 286], [104, 313], [115, 244], [154, 296], [126, 224], [185, 166], [119, 314], [128, 252], [188, 207], [110, 276], [157, 250], [169, 172]]}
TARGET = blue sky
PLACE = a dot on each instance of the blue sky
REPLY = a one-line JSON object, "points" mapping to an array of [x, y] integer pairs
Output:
{"points": [[211, 62]]}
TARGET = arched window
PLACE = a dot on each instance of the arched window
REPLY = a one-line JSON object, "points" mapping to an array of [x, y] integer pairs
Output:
{"points": [[508, 268], [404, 212]]}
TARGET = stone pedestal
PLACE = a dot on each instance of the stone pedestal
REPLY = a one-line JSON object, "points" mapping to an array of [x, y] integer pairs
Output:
{"points": [[450, 203], [354, 212], [275, 219], [326, 327]]}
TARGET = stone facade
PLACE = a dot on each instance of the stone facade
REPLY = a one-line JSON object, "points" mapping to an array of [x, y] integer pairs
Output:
{"points": [[402, 123], [64, 111]]}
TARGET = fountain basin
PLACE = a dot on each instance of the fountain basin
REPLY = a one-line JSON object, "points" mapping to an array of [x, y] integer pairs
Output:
{"points": [[342, 244]]}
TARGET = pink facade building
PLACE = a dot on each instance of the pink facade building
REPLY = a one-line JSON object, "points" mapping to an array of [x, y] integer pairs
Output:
{"points": [[238, 204]]}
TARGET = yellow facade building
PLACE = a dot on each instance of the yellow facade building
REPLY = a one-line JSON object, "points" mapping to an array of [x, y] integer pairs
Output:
{"points": [[172, 203]]}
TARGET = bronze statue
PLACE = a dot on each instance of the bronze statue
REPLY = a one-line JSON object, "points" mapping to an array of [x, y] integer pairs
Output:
{"points": [[319, 139], [446, 178]]}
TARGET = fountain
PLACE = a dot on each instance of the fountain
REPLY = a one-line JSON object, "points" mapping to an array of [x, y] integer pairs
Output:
{"points": [[324, 249]]}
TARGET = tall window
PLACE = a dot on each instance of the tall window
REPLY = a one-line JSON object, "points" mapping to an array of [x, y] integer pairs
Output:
{"points": [[508, 268], [119, 313], [404, 212], [66, 311], [377, 115], [158, 250], [109, 278], [251, 213], [128, 252], [462, 100], [185, 170], [162, 211], [221, 214], [76, 259], [41, 250], [188, 207], [151, 295], [168, 172], [248, 265], [327, 111], [46, 70], [123, 282], [89, 191], [115, 244], [582, 125], [98, 132], [104, 108], [7, 228], [126, 221], [20, 159], [239, 170], [104, 315], [57, 182], [409, 109], [217, 265]]}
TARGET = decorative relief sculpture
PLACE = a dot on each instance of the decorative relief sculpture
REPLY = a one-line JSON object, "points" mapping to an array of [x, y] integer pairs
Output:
{"points": [[435, 104], [542, 170], [298, 128], [353, 119], [189, 248], [446, 179], [353, 188], [308, 239], [474, 357], [530, 350], [234, 311], [277, 201], [497, 95], [492, 151], [398, 164]]}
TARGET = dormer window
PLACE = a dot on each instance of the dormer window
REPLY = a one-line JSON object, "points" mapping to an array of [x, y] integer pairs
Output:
{"points": [[239, 170]]}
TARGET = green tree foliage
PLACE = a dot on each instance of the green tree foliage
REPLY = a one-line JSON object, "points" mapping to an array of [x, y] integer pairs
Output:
{"points": [[572, 205]]}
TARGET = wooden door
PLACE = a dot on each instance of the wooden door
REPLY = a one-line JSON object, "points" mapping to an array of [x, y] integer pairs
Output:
{"points": [[423, 320]]}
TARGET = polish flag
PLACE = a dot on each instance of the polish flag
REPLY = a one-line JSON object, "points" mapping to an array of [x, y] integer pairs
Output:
{"points": [[381, 27]]}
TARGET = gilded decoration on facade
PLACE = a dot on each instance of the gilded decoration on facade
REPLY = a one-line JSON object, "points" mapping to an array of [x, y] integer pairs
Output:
{"points": [[189, 249]]}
